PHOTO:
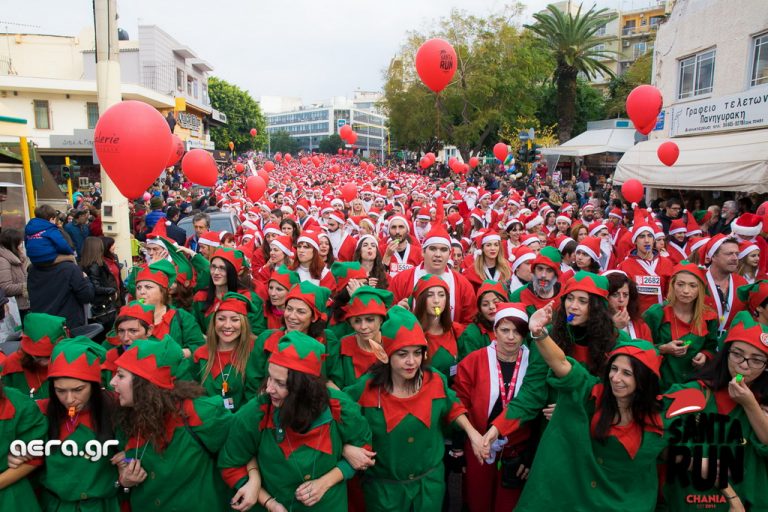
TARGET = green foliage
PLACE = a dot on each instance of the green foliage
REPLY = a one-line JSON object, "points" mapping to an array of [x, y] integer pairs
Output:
{"points": [[619, 87], [590, 106], [330, 144], [497, 67], [571, 41], [243, 113], [282, 142]]}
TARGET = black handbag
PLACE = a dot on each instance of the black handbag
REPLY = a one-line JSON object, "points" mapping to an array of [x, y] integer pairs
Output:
{"points": [[509, 468]]}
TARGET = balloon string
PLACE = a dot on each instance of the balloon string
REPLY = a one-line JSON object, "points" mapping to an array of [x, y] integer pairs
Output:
{"points": [[437, 113]]}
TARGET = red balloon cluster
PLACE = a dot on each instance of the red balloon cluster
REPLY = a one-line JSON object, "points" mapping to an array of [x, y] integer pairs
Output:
{"points": [[263, 175], [500, 151], [632, 190], [643, 106], [347, 134], [287, 158], [134, 144], [255, 188], [457, 167], [436, 63], [279, 157], [668, 153], [199, 167], [316, 161]]}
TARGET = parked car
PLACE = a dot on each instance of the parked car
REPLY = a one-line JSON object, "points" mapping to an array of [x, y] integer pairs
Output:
{"points": [[220, 221]]}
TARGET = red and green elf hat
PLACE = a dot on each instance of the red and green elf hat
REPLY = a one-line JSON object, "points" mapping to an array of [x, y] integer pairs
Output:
{"points": [[316, 297], [693, 269], [496, 287], [401, 329], [587, 282], [299, 352], [185, 273], [234, 256], [154, 360], [426, 282], [139, 310], [643, 351], [550, 257], [368, 300], [41, 332], [747, 329], [753, 294], [345, 271], [285, 277], [235, 302], [161, 272], [77, 358]]}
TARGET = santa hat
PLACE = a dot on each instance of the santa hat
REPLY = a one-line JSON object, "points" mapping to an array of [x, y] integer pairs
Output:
{"points": [[272, 229], [564, 217], [746, 329], [160, 230], [753, 294], [138, 310], [511, 222], [510, 310], [454, 220], [587, 206], [316, 297], [533, 220], [697, 243], [587, 282], [337, 216], [488, 236], [677, 226], [154, 360], [643, 351], [528, 239], [641, 226], [595, 227], [309, 237], [210, 238], [616, 213], [520, 255], [284, 243], [747, 225], [692, 227], [299, 352], [401, 219], [401, 329], [368, 300], [561, 241], [550, 257], [591, 246], [714, 244], [437, 236], [77, 358], [41, 332], [747, 247]]}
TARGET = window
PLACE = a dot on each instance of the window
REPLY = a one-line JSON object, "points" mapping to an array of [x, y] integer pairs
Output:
{"points": [[206, 99], [42, 115], [656, 20], [93, 114], [629, 28], [179, 80], [697, 74], [189, 85], [643, 22], [760, 60], [600, 30], [639, 49], [195, 83]]}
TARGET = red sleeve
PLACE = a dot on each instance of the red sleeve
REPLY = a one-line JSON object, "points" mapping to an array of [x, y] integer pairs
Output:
{"points": [[233, 475]]}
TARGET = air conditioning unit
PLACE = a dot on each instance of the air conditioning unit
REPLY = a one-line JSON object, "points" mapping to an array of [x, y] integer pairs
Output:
{"points": [[626, 44]]}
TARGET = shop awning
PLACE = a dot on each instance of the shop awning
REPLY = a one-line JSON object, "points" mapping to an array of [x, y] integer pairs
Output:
{"points": [[731, 161], [595, 141], [12, 125]]}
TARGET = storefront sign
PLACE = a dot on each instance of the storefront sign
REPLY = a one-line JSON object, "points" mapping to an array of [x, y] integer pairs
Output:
{"points": [[748, 109], [199, 144], [188, 121], [80, 139]]}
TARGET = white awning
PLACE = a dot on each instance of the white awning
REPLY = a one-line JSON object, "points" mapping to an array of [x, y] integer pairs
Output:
{"points": [[729, 161], [617, 140]]}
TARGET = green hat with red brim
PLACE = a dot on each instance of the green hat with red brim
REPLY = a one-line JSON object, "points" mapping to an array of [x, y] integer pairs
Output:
{"points": [[550, 257], [316, 297], [154, 360], [401, 329], [41, 332], [234, 256], [587, 282], [344, 271], [138, 310], [285, 277], [746, 329], [643, 351], [77, 358], [368, 300], [753, 294], [235, 302], [299, 352], [185, 273]]}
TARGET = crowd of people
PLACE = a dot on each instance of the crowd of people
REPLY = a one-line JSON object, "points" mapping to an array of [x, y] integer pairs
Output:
{"points": [[556, 347]]}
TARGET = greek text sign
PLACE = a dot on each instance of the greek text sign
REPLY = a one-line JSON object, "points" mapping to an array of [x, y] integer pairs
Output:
{"points": [[748, 109]]}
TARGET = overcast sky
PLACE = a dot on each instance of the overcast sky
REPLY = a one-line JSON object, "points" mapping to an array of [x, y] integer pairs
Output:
{"points": [[313, 49]]}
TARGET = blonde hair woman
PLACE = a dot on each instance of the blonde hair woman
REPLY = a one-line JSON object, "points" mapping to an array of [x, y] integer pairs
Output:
{"points": [[490, 264]]}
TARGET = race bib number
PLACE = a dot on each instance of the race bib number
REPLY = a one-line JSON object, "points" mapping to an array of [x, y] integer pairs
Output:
{"points": [[395, 268], [648, 285]]}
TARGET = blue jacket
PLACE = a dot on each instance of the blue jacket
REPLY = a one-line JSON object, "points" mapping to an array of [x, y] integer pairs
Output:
{"points": [[78, 233], [153, 217], [44, 241]]}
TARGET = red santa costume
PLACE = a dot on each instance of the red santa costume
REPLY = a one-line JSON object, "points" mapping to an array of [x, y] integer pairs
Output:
{"points": [[749, 226], [342, 243], [727, 306]]}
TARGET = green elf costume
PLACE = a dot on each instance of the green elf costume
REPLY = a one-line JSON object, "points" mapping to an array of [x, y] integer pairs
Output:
{"points": [[477, 335], [179, 324], [20, 419], [316, 298], [223, 379], [287, 459], [403, 427], [41, 332], [287, 278], [203, 314], [343, 272], [77, 484], [690, 405], [354, 360], [442, 349], [572, 470], [665, 326], [550, 257], [181, 473]]}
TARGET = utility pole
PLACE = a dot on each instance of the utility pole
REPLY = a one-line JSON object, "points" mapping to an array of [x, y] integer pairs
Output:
{"points": [[114, 204]]}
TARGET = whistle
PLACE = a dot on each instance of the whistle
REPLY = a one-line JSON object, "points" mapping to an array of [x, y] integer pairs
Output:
{"points": [[686, 343], [739, 377], [71, 412], [570, 318], [437, 311], [225, 386]]}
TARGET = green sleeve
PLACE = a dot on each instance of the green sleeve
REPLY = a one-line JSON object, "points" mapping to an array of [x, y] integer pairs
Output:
{"points": [[238, 449], [191, 336], [256, 317], [712, 339], [332, 349], [577, 384], [353, 428], [653, 317], [255, 372], [470, 340], [216, 419], [203, 271], [355, 391], [199, 314], [30, 422]]}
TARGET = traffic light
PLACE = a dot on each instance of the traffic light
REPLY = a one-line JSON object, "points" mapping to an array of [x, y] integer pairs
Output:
{"points": [[522, 154], [66, 172], [534, 153], [75, 169]]}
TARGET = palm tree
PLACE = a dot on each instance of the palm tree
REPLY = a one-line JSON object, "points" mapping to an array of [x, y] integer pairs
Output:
{"points": [[572, 43]]}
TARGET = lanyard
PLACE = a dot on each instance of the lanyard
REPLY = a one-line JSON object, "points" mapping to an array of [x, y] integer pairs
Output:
{"points": [[506, 398], [722, 313]]}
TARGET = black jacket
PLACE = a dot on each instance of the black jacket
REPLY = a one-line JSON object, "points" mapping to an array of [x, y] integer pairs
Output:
{"points": [[104, 284], [176, 234], [60, 290]]}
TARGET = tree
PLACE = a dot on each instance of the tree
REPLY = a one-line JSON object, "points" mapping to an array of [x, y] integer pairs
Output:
{"points": [[572, 43], [330, 144], [497, 67], [619, 87], [282, 142], [243, 113], [589, 106]]}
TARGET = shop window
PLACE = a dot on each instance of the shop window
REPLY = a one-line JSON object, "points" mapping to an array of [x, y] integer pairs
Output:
{"points": [[697, 74]]}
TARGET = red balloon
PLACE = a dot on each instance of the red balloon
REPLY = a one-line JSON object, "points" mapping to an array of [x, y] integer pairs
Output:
{"points": [[255, 188], [304, 160], [316, 161], [279, 157], [424, 162], [345, 131], [269, 166], [352, 138], [177, 150], [452, 162], [432, 158], [288, 157], [349, 192], [632, 190], [132, 145], [500, 151], [254, 132], [239, 167], [464, 168], [643, 106], [200, 167], [339, 150], [261, 173], [668, 153], [473, 161], [335, 169], [436, 63], [371, 167]]}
